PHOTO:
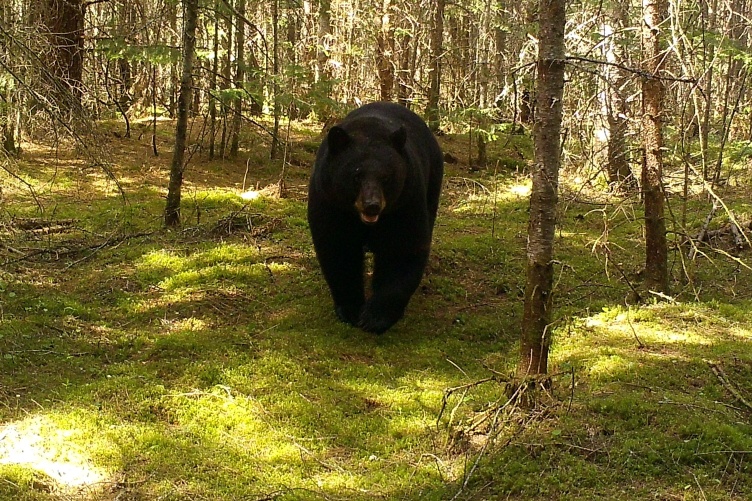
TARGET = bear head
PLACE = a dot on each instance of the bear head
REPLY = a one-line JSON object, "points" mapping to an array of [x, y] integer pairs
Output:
{"points": [[366, 166]]}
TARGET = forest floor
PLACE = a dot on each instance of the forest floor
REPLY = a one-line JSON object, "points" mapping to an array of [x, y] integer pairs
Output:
{"points": [[206, 363]]}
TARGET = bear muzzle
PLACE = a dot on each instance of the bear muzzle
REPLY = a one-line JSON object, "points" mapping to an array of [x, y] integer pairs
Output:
{"points": [[370, 203]]}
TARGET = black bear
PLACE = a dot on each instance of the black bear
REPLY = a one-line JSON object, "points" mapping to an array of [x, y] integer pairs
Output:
{"points": [[375, 186]]}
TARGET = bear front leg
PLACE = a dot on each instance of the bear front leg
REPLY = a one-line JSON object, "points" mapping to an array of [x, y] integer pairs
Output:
{"points": [[395, 279], [341, 261]]}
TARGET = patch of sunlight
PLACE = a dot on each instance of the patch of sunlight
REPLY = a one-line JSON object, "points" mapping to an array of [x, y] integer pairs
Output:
{"points": [[162, 259], [670, 336], [270, 191], [190, 324], [627, 327], [250, 195], [741, 332], [521, 190], [338, 480], [564, 233], [104, 184], [280, 452], [409, 399], [601, 134], [223, 415], [152, 119], [412, 426], [217, 273], [39, 444], [609, 365], [228, 253]]}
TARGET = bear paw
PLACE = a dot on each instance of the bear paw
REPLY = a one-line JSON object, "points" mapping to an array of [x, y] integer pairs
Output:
{"points": [[377, 322], [348, 315]]}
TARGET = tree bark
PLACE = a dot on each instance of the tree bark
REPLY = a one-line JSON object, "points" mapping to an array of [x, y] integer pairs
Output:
{"points": [[274, 150], [620, 177], [385, 53], [656, 247], [324, 37], [226, 79], [537, 315], [65, 21], [213, 84], [434, 75], [239, 79], [172, 209]]}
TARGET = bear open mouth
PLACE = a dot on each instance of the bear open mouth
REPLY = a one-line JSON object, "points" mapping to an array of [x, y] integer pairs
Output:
{"points": [[368, 219]]}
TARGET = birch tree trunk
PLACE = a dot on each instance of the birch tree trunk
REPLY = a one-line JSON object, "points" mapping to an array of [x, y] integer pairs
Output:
{"points": [[172, 209], [537, 315]]}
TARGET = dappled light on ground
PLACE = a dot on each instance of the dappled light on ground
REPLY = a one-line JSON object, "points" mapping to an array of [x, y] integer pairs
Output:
{"points": [[39, 444], [207, 362]]}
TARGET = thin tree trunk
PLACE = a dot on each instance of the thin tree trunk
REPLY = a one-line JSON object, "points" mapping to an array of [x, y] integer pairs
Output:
{"points": [[172, 209], [154, 115], [274, 150], [434, 75], [385, 53], [239, 79], [734, 74], [406, 76], [174, 82], [656, 247], [708, 15], [538, 309], [227, 78], [324, 36], [213, 84]]}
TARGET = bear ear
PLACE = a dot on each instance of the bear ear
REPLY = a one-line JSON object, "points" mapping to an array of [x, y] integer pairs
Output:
{"points": [[399, 137], [338, 139]]}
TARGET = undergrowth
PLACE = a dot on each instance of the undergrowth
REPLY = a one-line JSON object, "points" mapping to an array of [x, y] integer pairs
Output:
{"points": [[207, 363]]}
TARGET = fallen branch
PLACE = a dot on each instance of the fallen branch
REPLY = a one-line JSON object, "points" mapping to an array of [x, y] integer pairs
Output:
{"points": [[737, 234], [67, 250], [37, 224], [704, 230], [718, 371]]}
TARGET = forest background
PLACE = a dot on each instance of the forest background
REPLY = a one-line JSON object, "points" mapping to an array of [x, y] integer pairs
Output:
{"points": [[190, 353]]}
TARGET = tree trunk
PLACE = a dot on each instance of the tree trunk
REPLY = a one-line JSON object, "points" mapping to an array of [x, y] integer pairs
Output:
{"points": [[537, 315], [172, 209], [213, 84], [226, 79], [174, 82], [385, 53], [324, 38], [274, 150], [406, 77], [65, 21], [708, 15], [239, 79], [434, 72], [656, 247], [620, 177]]}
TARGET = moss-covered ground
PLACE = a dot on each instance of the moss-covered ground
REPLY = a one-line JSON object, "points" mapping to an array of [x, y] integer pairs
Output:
{"points": [[206, 363]]}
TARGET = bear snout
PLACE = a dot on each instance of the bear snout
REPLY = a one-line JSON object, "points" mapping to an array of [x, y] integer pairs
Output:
{"points": [[370, 202]]}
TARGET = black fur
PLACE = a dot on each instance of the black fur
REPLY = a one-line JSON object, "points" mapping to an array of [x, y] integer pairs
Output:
{"points": [[375, 185]]}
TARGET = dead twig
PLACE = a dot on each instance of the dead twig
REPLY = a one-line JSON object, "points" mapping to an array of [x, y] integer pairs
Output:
{"points": [[721, 375]]}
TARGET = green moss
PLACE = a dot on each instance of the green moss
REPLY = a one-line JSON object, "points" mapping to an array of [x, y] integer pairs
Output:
{"points": [[207, 363]]}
